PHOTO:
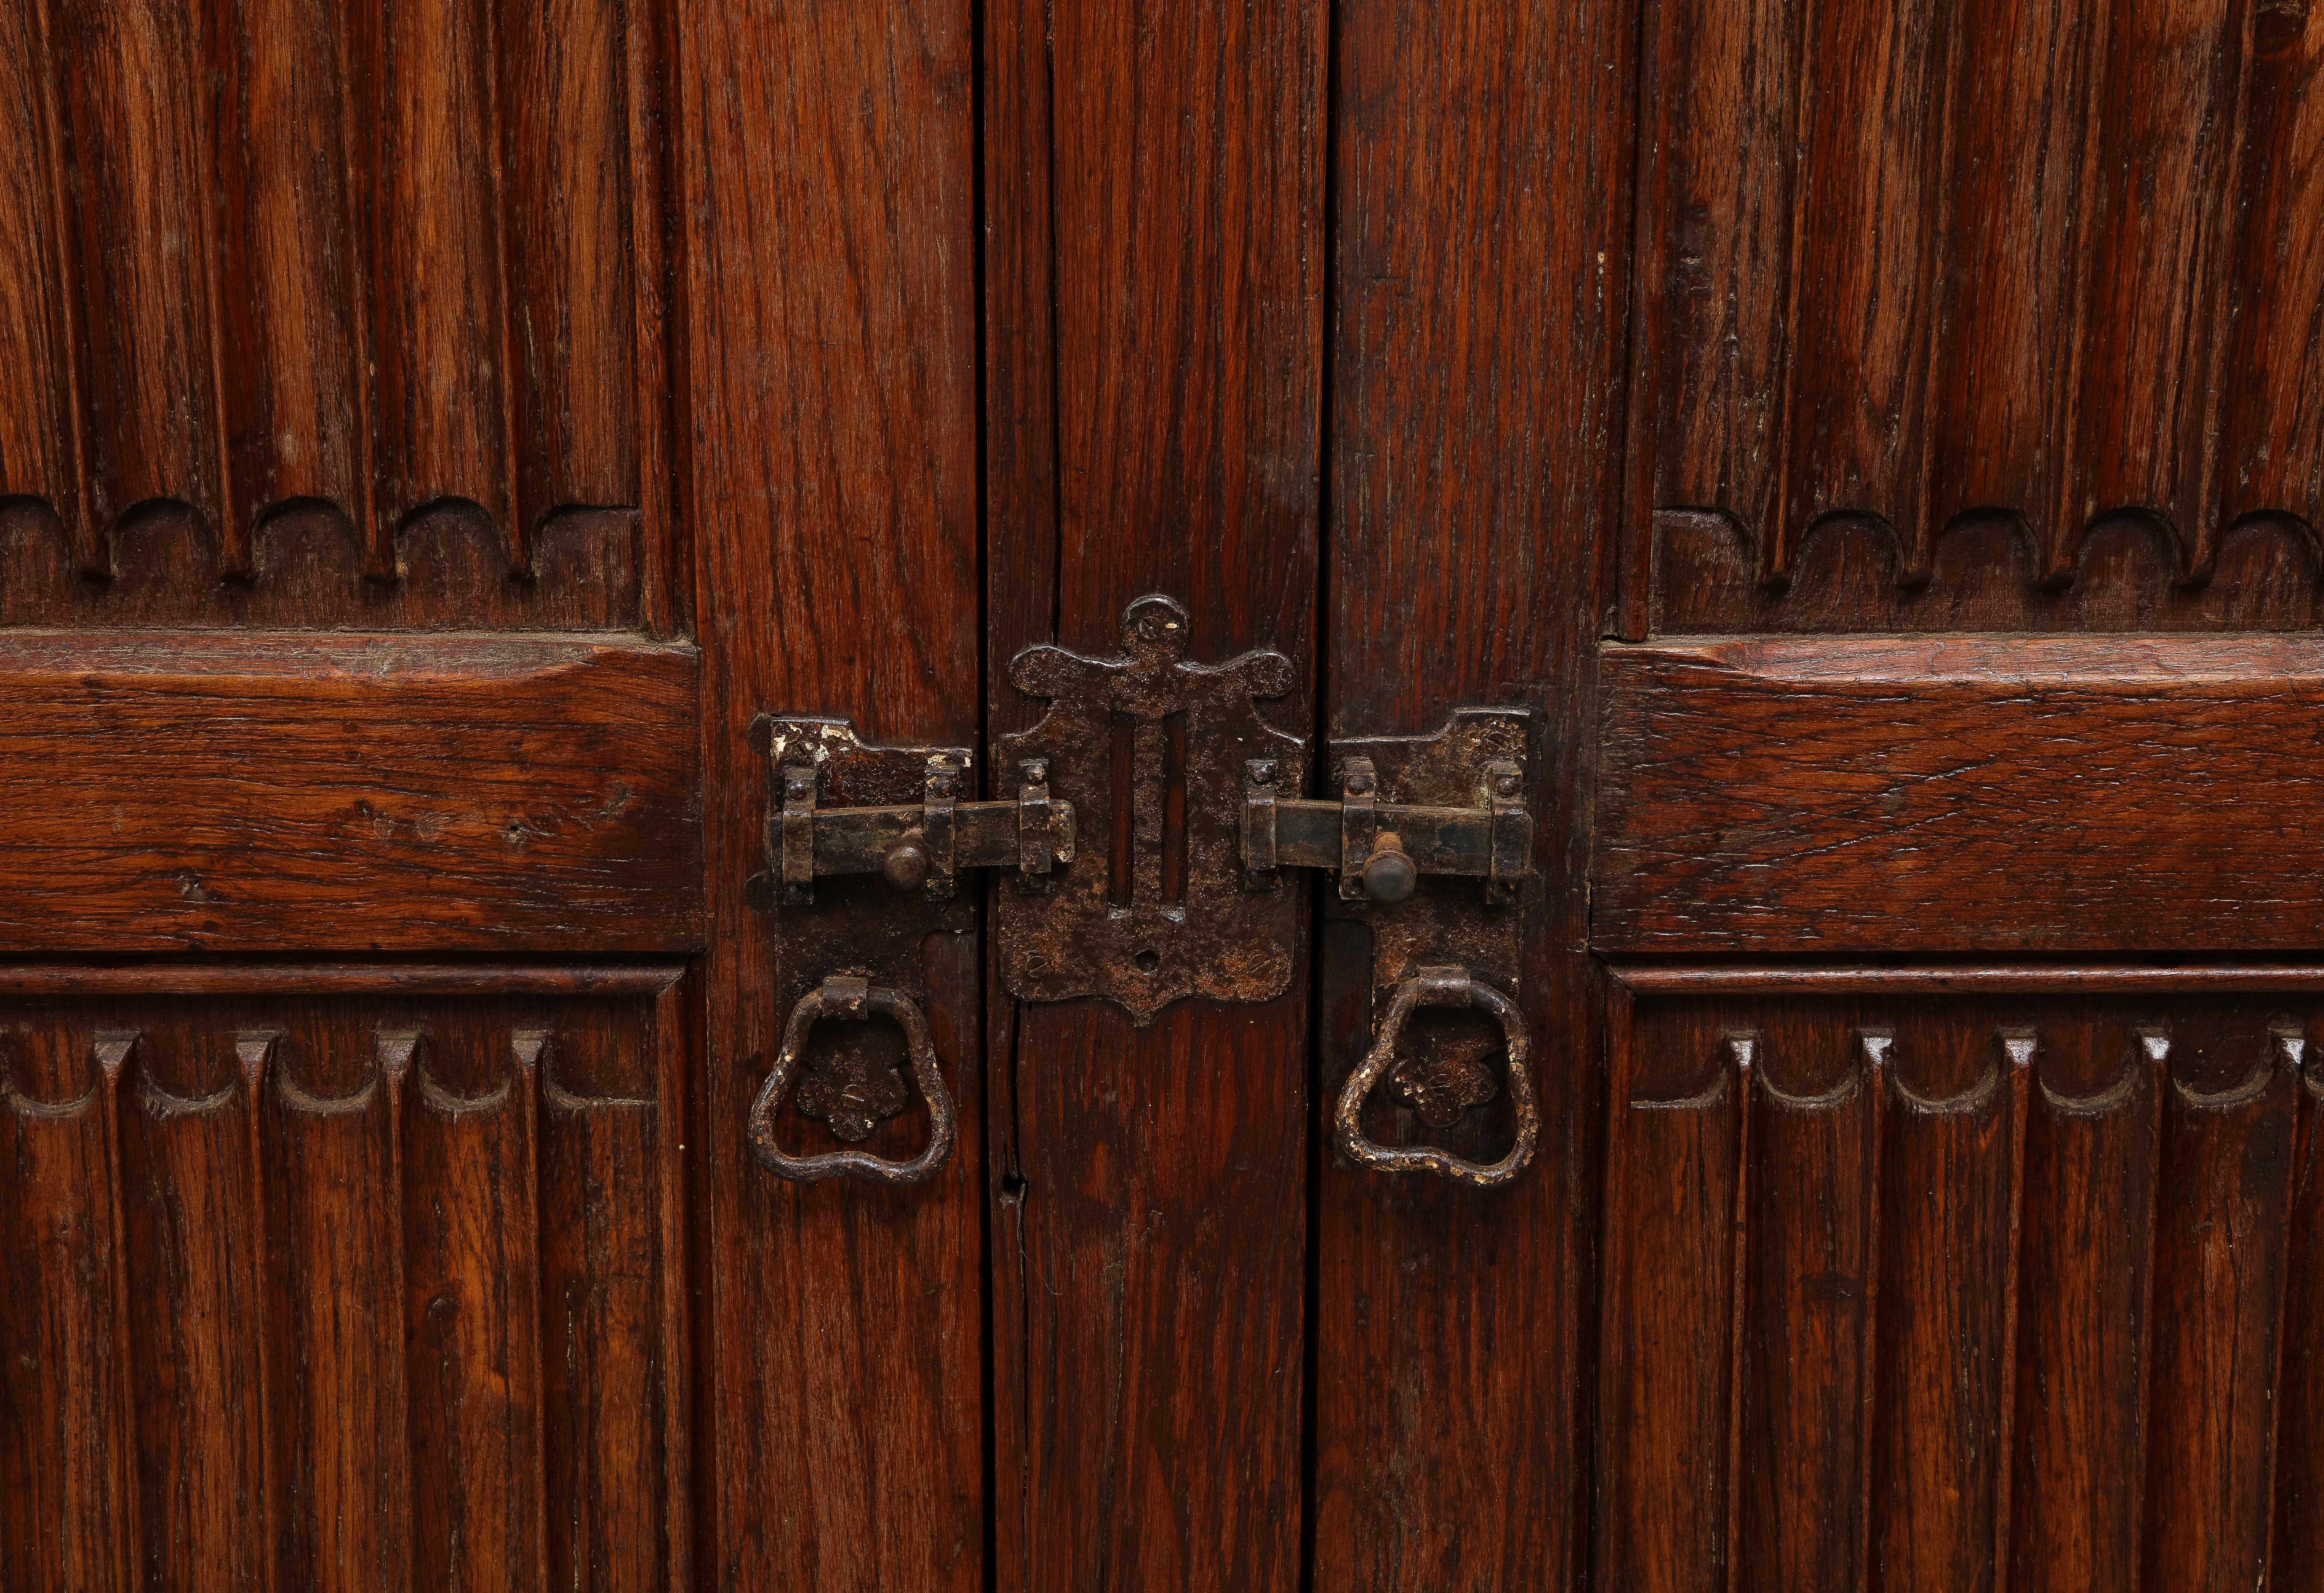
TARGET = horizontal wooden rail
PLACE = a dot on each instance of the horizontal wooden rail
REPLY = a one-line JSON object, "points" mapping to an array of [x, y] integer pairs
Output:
{"points": [[333, 794], [1963, 794]]}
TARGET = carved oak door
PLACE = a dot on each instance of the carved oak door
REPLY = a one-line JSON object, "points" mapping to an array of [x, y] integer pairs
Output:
{"points": [[350, 753], [1952, 863], [1769, 548]]}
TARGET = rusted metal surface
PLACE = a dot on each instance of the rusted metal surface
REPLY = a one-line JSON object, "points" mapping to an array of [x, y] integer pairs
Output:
{"points": [[846, 928], [852, 1091], [1439, 1070], [1159, 907], [1441, 986], [918, 846]]}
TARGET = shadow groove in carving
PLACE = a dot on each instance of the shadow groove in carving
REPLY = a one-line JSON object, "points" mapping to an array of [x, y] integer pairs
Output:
{"points": [[2128, 568], [443, 565]]}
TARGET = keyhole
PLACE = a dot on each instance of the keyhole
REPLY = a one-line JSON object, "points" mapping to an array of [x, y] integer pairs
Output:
{"points": [[1148, 960]]}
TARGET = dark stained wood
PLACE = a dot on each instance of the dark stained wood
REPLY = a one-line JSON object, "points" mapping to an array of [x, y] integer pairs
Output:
{"points": [[348, 794], [1809, 1300], [2299, 1473], [473, 1304], [2013, 277], [1838, 796], [2220, 1246], [131, 84], [259, 298], [440, 291], [68, 1481], [1476, 348], [1161, 172], [830, 256], [41, 454], [295, 335], [2086, 1306], [2171, 126], [2271, 452], [193, 1177], [342, 1313], [1946, 1303], [1853, 422], [1933, 307], [2063, 1235], [1677, 1113]]}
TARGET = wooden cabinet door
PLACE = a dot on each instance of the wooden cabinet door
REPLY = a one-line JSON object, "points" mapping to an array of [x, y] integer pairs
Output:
{"points": [[350, 755], [1869, 450], [1950, 856]]}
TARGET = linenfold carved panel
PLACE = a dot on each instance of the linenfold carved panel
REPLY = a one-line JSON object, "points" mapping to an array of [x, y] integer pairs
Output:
{"points": [[1920, 283], [333, 316], [1972, 1277], [341, 1278]]}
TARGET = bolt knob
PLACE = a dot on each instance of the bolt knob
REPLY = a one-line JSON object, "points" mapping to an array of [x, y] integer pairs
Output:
{"points": [[905, 864], [1390, 876]]}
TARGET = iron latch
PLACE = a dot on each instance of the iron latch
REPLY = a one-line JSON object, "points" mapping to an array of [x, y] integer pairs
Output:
{"points": [[1193, 806], [915, 846], [1380, 849]]}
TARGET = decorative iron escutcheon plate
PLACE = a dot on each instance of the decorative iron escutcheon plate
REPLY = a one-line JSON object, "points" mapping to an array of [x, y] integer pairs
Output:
{"points": [[1149, 747]]}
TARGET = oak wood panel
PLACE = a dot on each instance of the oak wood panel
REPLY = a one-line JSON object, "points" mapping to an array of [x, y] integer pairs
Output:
{"points": [[2272, 449], [1854, 415], [325, 317], [2067, 1257], [444, 343], [336, 1292], [1475, 348], [2221, 1246], [2086, 1304], [830, 259], [348, 794], [2013, 276], [306, 1253], [474, 1308], [193, 1174], [69, 1476], [1809, 1295], [41, 454], [295, 338], [1154, 188], [1946, 1306], [131, 83], [1907, 794], [2171, 126], [2299, 1492], [1677, 1111], [1968, 293]]}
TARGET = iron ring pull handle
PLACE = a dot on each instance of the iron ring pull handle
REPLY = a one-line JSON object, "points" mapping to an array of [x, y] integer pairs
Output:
{"points": [[848, 997], [1441, 986]]}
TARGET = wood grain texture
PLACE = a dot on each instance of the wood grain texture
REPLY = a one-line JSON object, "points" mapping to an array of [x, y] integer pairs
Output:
{"points": [[2299, 1491], [1789, 796], [2023, 1341], [1677, 1110], [2221, 1246], [348, 794], [830, 257], [1965, 293], [308, 305], [1854, 414], [40, 456], [2271, 452], [69, 1476], [1805, 1313], [320, 1346], [1475, 347], [1153, 186], [129, 71]]}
